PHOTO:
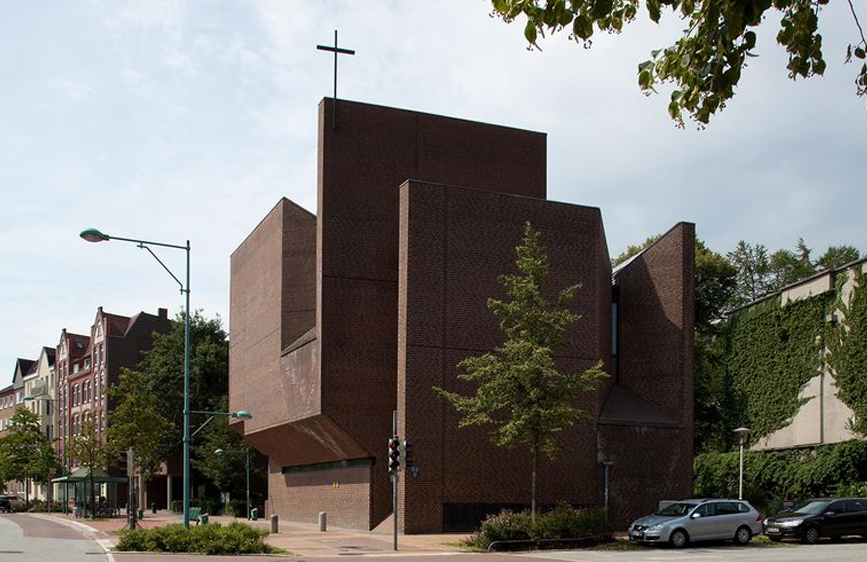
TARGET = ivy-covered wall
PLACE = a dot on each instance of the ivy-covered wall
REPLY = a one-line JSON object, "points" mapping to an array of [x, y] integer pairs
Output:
{"points": [[772, 352], [847, 350]]}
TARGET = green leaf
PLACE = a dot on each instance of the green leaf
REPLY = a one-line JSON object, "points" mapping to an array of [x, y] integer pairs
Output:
{"points": [[602, 8], [582, 27], [530, 32]]}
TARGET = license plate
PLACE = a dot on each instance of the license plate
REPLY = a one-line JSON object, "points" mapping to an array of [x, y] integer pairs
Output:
{"points": [[772, 530]]}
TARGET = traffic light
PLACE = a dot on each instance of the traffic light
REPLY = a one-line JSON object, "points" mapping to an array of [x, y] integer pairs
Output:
{"points": [[393, 454], [122, 461], [406, 456]]}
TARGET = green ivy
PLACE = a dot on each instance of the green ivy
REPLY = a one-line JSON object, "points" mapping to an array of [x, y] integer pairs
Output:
{"points": [[847, 351], [771, 476], [772, 353]]}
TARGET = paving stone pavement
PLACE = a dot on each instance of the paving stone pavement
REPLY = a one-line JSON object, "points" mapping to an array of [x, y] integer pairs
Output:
{"points": [[298, 538]]}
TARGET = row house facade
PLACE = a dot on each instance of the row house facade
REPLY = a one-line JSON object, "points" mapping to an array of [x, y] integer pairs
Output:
{"points": [[88, 364]]}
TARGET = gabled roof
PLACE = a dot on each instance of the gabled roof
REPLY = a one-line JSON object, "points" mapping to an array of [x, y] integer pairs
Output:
{"points": [[50, 354], [116, 325], [23, 367]]}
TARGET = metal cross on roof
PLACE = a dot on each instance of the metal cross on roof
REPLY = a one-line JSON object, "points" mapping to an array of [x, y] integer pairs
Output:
{"points": [[336, 51]]}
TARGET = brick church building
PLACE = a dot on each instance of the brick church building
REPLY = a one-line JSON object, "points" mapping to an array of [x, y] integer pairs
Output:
{"points": [[339, 319]]}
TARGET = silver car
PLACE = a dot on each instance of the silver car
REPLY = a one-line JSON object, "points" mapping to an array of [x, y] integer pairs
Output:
{"points": [[698, 520]]}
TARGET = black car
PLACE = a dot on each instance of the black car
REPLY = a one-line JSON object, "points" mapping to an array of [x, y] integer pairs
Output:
{"points": [[5, 504], [820, 517]]}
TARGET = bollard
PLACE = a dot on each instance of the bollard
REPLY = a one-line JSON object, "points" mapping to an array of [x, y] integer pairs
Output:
{"points": [[323, 521], [274, 524]]}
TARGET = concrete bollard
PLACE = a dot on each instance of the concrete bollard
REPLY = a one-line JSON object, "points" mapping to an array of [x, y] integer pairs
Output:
{"points": [[323, 521], [274, 524]]}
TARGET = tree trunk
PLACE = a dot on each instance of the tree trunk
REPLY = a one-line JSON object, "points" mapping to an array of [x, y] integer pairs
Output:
{"points": [[535, 455]]}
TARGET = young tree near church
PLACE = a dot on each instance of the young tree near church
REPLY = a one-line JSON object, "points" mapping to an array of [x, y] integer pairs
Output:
{"points": [[705, 63], [520, 390]]}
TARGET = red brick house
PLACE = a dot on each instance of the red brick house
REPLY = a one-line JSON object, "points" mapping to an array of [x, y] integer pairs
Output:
{"points": [[340, 318], [87, 365]]}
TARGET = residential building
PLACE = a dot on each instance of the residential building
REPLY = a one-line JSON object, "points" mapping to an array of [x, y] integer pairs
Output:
{"points": [[88, 364]]}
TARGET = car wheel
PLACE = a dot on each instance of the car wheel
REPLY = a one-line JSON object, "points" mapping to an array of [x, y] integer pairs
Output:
{"points": [[678, 538], [743, 535], [811, 535]]}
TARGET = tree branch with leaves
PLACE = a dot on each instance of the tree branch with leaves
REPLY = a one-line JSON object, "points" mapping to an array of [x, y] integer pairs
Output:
{"points": [[705, 64]]}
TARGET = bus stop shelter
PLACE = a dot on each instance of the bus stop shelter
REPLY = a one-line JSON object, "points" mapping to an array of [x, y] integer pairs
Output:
{"points": [[81, 482]]}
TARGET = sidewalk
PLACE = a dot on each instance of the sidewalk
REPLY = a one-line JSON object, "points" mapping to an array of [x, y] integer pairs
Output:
{"points": [[298, 538]]}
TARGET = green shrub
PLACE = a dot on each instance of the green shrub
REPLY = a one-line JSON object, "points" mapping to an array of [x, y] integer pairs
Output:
{"points": [[236, 538], [562, 522]]}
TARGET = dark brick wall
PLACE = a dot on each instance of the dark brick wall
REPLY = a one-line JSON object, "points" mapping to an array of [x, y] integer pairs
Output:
{"points": [[343, 493], [362, 165], [656, 313], [272, 303], [454, 244]]}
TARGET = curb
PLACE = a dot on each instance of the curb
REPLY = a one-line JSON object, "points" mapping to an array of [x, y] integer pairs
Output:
{"points": [[99, 537]]}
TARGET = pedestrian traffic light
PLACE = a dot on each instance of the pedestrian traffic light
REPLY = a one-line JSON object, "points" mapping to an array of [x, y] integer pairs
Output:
{"points": [[393, 454], [406, 456]]}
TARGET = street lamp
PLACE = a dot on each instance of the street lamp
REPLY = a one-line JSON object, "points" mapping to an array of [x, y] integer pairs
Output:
{"points": [[247, 464], [240, 414], [63, 453], [742, 437], [94, 235]]}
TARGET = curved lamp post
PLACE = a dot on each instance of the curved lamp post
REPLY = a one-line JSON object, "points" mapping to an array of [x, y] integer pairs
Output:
{"points": [[62, 450], [240, 414], [742, 438], [94, 235], [245, 452]]}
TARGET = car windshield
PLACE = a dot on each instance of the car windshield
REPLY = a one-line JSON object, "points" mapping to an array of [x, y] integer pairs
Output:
{"points": [[675, 509], [811, 507]]}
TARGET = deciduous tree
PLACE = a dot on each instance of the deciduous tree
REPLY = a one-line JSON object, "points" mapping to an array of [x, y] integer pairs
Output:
{"points": [[91, 452], [26, 453], [136, 422]]}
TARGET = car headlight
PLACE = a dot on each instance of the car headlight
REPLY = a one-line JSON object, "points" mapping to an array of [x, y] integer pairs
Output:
{"points": [[790, 523], [654, 528]]}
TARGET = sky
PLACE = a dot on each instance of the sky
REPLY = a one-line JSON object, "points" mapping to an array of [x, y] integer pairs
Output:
{"points": [[172, 120]]}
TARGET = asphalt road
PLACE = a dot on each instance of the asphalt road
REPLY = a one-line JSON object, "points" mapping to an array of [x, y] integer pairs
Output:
{"points": [[31, 538], [840, 552], [754, 552]]}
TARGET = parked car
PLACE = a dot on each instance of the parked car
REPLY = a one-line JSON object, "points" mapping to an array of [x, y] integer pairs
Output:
{"points": [[819, 517], [698, 520], [5, 504]]}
